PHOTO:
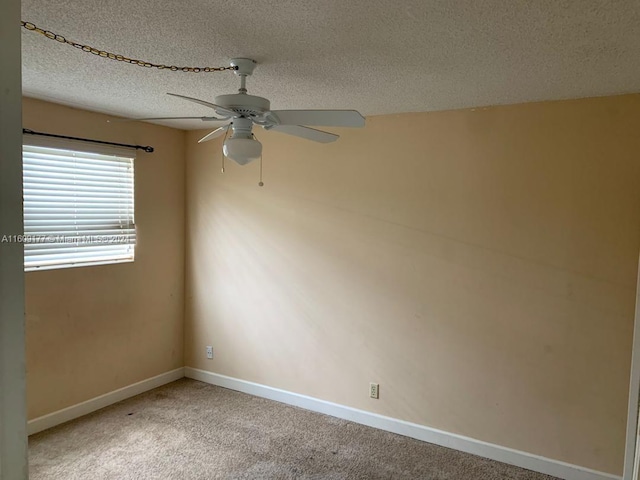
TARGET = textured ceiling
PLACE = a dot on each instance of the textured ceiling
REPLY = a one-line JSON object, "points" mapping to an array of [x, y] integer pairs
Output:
{"points": [[382, 56]]}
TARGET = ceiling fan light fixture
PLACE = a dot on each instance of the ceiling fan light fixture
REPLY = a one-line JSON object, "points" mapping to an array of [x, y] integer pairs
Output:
{"points": [[242, 150]]}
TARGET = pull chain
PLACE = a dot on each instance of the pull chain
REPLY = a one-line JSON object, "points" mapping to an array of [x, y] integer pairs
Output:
{"points": [[260, 183]]}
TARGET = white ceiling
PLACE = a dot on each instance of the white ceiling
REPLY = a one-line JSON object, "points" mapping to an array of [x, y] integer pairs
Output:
{"points": [[382, 56]]}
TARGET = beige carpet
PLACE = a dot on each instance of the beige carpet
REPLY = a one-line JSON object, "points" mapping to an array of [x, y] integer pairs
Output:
{"points": [[191, 430]]}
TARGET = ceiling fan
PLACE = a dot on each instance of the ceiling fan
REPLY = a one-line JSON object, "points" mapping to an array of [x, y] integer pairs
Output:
{"points": [[240, 111]]}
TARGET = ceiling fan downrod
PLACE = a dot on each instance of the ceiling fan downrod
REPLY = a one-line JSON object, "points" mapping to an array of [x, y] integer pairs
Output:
{"points": [[243, 67]]}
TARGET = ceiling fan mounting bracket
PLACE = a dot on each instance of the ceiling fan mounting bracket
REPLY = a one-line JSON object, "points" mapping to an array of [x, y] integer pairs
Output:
{"points": [[244, 66]]}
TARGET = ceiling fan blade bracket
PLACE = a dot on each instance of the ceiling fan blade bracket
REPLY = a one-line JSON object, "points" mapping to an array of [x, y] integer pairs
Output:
{"points": [[271, 118]]}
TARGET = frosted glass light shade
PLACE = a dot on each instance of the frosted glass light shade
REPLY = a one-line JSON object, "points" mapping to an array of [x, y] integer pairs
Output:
{"points": [[242, 150]]}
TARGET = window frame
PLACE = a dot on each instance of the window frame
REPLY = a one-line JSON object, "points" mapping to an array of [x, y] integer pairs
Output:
{"points": [[74, 244]]}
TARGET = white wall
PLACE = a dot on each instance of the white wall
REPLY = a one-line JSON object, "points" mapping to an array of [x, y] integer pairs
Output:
{"points": [[13, 432]]}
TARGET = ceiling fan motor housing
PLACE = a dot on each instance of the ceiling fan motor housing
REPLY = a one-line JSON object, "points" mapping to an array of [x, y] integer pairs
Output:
{"points": [[245, 105]]}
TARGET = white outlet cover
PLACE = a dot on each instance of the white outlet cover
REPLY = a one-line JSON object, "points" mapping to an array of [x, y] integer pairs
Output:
{"points": [[374, 390]]}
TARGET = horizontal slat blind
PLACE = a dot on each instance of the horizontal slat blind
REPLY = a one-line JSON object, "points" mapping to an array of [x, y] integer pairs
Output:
{"points": [[78, 208]]}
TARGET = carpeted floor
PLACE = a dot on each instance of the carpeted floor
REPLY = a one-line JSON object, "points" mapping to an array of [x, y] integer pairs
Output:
{"points": [[191, 430]]}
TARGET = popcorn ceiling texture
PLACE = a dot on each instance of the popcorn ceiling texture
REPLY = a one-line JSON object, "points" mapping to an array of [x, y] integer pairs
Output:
{"points": [[379, 57]]}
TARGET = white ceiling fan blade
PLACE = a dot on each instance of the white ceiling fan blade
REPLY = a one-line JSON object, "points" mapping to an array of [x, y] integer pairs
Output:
{"points": [[325, 118], [204, 119], [215, 134], [305, 132], [220, 110]]}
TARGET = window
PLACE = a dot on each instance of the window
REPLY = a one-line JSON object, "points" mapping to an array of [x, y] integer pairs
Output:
{"points": [[78, 206]]}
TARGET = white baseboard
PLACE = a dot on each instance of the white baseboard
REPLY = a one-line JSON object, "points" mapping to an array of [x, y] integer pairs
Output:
{"points": [[529, 461], [61, 416]]}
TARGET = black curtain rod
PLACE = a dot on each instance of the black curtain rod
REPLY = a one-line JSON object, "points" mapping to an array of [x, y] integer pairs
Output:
{"points": [[147, 149]]}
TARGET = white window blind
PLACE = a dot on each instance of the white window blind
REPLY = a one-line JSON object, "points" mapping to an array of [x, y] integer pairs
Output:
{"points": [[78, 208]]}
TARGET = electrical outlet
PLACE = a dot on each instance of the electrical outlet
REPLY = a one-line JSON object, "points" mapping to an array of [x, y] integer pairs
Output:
{"points": [[209, 352], [374, 390]]}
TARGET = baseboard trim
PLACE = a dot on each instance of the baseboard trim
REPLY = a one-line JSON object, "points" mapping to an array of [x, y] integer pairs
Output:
{"points": [[61, 416], [529, 461]]}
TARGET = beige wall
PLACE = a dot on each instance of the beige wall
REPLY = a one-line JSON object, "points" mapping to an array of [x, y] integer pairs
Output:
{"points": [[91, 330], [479, 264]]}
